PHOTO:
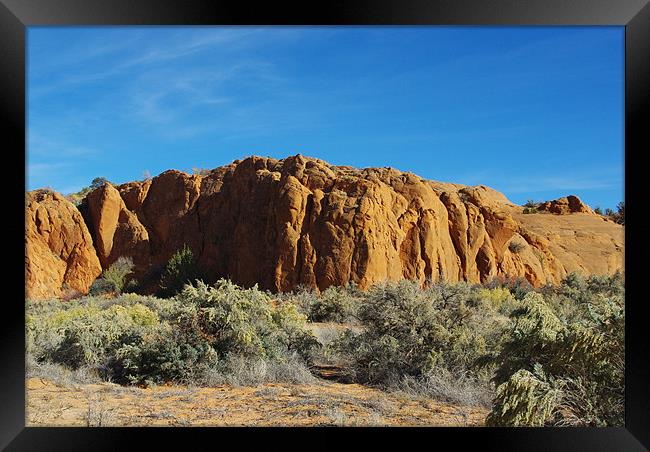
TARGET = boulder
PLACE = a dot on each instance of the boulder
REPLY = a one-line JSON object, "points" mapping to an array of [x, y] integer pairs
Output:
{"points": [[59, 255]]}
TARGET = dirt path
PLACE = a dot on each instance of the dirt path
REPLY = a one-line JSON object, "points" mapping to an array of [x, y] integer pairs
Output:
{"points": [[322, 403]]}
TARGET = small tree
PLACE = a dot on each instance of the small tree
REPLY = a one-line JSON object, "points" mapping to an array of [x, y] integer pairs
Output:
{"points": [[181, 269], [621, 212], [98, 182], [598, 211]]}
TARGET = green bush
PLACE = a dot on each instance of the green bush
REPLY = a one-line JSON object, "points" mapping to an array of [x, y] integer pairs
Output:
{"points": [[530, 207], [559, 369], [114, 278], [86, 335], [102, 286], [242, 321], [133, 339], [207, 325], [181, 269], [409, 331], [335, 304], [517, 286]]}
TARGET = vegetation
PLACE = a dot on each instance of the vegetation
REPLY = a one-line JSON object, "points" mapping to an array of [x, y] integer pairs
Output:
{"points": [[202, 334], [547, 356], [619, 215], [416, 339], [181, 269], [114, 278], [530, 207], [335, 304], [201, 171], [516, 247], [563, 361], [77, 197]]}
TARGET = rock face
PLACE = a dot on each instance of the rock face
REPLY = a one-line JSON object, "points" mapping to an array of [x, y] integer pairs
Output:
{"points": [[563, 206], [301, 221], [59, 250]]}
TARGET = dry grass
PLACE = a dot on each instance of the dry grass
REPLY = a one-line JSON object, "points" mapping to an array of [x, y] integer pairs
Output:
{"points": [[320, 403]]}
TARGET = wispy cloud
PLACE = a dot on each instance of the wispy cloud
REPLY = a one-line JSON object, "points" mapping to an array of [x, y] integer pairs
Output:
{"points": [[182, 44], [36, 170], [39, 146], [580, 180]]}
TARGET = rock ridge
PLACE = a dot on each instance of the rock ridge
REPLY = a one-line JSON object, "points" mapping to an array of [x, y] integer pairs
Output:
{"points": [[300, 221]]}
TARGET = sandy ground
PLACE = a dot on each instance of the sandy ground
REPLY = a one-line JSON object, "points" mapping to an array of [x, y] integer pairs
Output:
{"points": [[318, 404]]}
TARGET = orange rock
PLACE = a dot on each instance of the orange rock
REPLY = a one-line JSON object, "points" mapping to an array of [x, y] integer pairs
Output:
{"points": [[566, 205], [59, 251], [302, 221]]}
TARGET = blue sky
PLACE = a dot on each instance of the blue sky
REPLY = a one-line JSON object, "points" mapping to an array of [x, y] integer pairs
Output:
{"points": [[534, 112]]}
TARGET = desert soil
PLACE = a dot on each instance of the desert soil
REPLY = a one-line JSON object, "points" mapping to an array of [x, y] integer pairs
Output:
{"points": [[319, 404]]}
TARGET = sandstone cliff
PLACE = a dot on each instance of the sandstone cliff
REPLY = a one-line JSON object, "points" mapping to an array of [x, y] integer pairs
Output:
{"points": [[59, 255], [301, 221]]}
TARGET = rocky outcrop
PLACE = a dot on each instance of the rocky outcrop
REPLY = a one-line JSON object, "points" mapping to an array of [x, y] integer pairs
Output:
{"points": [[59, 255], [301, 221], [564, 206], [115, 230]]}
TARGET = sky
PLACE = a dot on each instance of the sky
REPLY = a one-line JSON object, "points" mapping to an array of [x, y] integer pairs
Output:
{"points": [[534, 112]]}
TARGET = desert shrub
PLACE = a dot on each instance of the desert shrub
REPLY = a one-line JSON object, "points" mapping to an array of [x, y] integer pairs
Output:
{"points": [[598, 211], [181, 269], [241, 321], [335, 304], [59, 374], [201, 171], [133, 339], [98, 182], [400, 338], [408, 332], [86, 335], [530, 207], [164, 355], [555, 371], [237, 370], [303, 298], [102, 286], [517, 286], [114, 278], [498, 299], [210, 328], [516, 247], [441, 384]]}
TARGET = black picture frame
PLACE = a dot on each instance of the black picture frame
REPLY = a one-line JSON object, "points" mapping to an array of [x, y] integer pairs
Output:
{"points": [[16, 15]]}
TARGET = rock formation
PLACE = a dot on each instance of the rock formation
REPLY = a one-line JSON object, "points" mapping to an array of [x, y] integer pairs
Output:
{"points": [[59, 255], [301, 221], [563, 206]]}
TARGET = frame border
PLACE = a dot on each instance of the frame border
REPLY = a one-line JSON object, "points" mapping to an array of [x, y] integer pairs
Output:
{"points": [[634, 15]]}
